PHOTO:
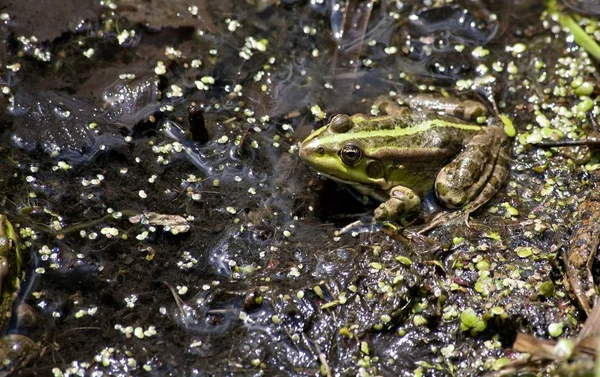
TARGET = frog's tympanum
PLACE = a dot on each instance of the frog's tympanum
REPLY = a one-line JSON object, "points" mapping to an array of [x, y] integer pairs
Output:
{"points": [[399, 157], [15, 349]]}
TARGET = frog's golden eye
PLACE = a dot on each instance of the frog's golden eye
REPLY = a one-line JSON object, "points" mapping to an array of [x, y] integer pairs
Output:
{"points": [[350, 154], [340, 123]]}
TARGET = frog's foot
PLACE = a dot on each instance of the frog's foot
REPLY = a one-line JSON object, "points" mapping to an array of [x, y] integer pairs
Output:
{"points": [[16, 351], [402, 201], [443, 219], [362, 225], [466, 219]]}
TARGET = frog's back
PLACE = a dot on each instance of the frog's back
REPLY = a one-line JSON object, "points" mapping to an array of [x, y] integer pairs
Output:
{"points": [[415, 135]]}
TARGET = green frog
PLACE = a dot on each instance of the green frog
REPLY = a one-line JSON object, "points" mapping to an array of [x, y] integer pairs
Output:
{"points": [[407, 152], [15, 349]]}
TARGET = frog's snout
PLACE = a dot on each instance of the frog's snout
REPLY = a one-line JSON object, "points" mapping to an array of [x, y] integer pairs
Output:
{"points": [[309, 148], [302, 150]]}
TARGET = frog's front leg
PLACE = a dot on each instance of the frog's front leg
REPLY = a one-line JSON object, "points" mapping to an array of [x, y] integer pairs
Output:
{"points": [[402, 202], [477, 173]]}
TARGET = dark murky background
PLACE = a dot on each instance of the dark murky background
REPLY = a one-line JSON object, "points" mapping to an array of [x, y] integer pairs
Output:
{"points": [[115, 109]]}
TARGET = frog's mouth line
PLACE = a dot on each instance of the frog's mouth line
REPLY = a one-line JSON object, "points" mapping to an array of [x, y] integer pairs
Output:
{"points": [[351, 183], [373, 191]]}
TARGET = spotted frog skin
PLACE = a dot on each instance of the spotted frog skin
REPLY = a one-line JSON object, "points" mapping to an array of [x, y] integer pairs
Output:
{"points": [[399, 157]]}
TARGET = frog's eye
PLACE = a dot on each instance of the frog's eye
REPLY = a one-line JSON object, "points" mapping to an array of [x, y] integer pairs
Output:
{"points": [[350, 154], [340, 123]]}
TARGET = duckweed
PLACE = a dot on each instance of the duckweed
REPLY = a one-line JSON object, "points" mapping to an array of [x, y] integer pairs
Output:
{"points": [[546, 289], [524, 252], [556, 329]]}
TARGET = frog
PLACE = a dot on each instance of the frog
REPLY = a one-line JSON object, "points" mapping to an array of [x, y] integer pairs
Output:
{"points": [[15, 350], [410, 148]]}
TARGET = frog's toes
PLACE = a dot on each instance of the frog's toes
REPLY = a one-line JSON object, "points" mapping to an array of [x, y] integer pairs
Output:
{"points": [[466, 219], [390, 210], [384, 211], [402, 201], [358, 225]]}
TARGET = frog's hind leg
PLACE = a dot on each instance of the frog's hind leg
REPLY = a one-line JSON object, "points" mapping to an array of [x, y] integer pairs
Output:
{"points": [[493, 176], [476, 174], [407, 103], [493, 184]]}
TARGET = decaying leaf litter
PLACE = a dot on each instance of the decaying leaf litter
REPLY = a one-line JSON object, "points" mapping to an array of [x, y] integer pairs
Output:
{"points": [[194, 116]]}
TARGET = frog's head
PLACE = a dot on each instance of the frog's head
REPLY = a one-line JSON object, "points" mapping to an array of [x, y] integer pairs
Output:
{"points": [[339, 151]]}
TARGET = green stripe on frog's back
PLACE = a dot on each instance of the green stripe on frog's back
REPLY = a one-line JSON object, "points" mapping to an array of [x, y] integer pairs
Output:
{"points": [[418, 136], [365, 128]]}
